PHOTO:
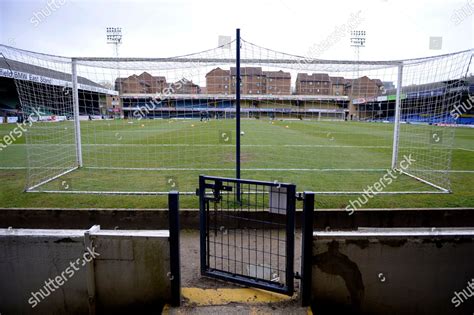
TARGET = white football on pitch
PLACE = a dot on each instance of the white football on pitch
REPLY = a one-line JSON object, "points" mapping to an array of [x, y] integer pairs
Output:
{"points": [[242, 133]]}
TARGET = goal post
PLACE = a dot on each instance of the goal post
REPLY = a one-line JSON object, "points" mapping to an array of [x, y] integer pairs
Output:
{"points": [[330, 126], [396, 124], [77, 122]]}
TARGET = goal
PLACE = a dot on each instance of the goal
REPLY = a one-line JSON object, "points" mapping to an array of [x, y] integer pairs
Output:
{"points": [[151, 125]]}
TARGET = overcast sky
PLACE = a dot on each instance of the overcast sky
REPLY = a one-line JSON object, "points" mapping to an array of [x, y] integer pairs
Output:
{"points": [[396, 28]]}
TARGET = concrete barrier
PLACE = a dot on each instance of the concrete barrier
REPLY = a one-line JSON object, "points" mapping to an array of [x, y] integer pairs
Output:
{"points": [[131, 219], [393, 271], [47, 271]]}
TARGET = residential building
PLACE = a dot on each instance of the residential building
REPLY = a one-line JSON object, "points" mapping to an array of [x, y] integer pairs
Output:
{"points": [[218, 81], [143, 83], [185, 86], [313, 84], [277, 82], [363, 87], [337, 86], [252, 80]]}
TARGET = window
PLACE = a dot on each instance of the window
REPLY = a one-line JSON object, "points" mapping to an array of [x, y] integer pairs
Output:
{"points": [[310, 83]]}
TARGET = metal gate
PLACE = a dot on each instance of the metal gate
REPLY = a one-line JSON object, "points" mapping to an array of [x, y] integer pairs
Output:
{"points": [[247, 232]]}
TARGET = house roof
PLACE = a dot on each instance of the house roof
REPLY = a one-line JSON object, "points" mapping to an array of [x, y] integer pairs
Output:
{"points": [[247, 71], [218, 71], [187, 83], [313, 77], [144, 78], [337, 80], [277, 74]]}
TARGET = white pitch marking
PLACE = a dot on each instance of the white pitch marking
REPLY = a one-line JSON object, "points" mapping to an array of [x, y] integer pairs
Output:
{"points": [[464, 149]]}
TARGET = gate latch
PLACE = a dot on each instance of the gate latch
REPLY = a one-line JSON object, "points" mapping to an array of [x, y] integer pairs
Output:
{"points": [[217, 187]]}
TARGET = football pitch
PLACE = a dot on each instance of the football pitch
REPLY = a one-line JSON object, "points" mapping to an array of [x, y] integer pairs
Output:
{"points": [[164, 155]]}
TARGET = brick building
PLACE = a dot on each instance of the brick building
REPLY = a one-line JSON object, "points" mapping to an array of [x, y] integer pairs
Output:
{"points": [[185, 86], [277, 82], [143, 83], [314, 84], [218, 81], [252, 80], [338, 86], [363, 87]]}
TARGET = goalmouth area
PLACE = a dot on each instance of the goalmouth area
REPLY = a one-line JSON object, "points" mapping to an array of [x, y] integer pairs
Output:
{"points": [[151, 125]]}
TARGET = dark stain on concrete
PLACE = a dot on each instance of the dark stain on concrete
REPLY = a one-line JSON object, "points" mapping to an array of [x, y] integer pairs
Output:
{"points": [[65, 240], [335, 263], [395, 242], [362, 244]]}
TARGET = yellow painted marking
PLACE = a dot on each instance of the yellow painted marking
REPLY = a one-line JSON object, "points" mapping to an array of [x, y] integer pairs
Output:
{"points": [[202, 297], [166, 310]]}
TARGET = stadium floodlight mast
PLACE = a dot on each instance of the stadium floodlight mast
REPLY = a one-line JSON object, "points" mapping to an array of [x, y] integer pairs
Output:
{"points": [[114, 37], [358, 41]]}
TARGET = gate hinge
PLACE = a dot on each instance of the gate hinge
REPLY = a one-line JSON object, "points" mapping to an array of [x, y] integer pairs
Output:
{"points": [[297, 276]]}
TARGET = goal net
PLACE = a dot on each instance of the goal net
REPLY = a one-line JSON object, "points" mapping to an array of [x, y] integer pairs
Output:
{"points": [[151, 125]]}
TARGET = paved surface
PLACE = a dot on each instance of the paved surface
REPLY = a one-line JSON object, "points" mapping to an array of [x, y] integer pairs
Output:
{"points": [[190, 263], [203, 295], [239, 309]]}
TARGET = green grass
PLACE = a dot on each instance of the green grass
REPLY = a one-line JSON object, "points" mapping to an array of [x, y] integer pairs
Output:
{"points": [[178, 151]]}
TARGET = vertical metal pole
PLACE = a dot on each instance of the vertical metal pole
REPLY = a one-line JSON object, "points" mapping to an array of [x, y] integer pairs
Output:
{"points": [[75, 105], [396, 128], [307, 248], [202, 223], [237, 106], [90, 270], [290, 237], [175, 265]]}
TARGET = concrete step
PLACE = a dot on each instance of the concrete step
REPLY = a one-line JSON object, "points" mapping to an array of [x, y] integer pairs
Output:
{"points": [[239, 309], [236, 301]]}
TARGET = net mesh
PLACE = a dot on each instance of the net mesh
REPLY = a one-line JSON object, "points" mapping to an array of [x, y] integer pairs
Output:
{"points": [[152, 125]]}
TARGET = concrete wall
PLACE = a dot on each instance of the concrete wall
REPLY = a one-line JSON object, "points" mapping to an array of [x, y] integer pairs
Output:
{"points": [[129, 274], [154, 219], [392, 271]]}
